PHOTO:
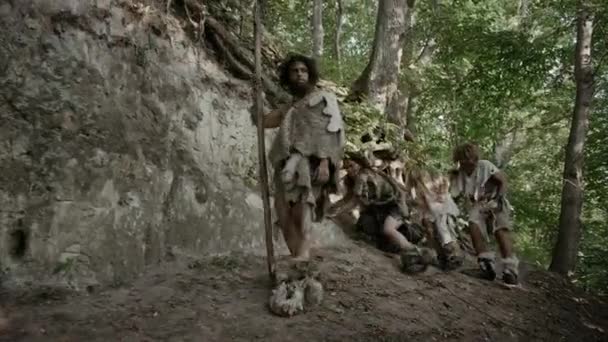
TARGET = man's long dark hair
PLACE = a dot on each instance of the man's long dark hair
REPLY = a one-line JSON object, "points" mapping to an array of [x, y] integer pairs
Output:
{"points": [[311, 65]]}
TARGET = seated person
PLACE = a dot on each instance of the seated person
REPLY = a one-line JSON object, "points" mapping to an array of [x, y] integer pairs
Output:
{"points": [[383, 213], [438, 213], [484, 187]]}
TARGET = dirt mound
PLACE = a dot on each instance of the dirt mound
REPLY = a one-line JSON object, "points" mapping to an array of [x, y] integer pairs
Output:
{"points": [[367, 298]]}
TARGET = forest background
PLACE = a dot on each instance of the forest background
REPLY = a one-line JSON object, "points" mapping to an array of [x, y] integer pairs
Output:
{"points": [[500, 73]]}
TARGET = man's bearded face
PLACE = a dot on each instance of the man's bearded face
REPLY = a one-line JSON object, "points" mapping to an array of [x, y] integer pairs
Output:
{"points": [[298, 75]]}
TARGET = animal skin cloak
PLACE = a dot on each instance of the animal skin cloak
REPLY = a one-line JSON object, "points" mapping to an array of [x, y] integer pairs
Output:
{"points": [[312, 129]]}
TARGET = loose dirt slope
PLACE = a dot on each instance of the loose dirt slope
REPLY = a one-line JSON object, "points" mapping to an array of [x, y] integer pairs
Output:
{"points": [[367, 299]]}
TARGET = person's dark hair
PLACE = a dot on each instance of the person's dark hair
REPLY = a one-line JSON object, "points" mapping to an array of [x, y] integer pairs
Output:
{"points": [[311, 65], [466, 152]]}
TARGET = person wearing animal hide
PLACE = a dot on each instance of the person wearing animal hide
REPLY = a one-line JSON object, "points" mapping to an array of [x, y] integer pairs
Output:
{"points": [[484, 187], [438, 213], [384, 213], [305, 154]]}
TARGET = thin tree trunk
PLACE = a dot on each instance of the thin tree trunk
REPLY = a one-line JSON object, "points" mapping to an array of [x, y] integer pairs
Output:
{"points": [[430, 46], [523, 14], [379, 80], [337, 36], [317, 29], [570, 228], [504, 149], [401, 110], [423, 57], [410, 115]]}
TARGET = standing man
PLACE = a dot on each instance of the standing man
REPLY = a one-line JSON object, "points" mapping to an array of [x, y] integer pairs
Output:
{"points": [[305, 154]]}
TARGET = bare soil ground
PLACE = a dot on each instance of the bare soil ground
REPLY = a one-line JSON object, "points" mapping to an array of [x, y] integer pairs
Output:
{"points": [[367, 299]]}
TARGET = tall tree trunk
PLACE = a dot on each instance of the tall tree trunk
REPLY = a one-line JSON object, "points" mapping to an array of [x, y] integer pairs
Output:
{"points": [[424, 57], [317, 29], [403, 113], [523, 8], [379, 80], [337, 36], [570, 229], [522, 11], [410, 116]]}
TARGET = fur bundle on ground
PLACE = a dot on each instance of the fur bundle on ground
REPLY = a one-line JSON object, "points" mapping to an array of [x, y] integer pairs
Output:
{"points": [[296, 292]]}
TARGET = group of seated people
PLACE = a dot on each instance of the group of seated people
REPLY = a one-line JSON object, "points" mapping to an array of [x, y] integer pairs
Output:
{"points": [[414, 212]]}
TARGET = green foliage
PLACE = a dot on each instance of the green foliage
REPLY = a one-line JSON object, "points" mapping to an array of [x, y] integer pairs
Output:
{"points": [[364, 120], [289, 21], [485, 71], [593, 272]]}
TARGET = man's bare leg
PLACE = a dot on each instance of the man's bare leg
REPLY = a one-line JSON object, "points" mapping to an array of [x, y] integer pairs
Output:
{"points": [[302, 217], [484, 257], [503, 237], [477, 239], [511, 263], [286, 224], [390, 230]]}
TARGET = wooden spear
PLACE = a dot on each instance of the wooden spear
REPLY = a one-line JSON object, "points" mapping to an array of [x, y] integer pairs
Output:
{"points": [[259, 109]]}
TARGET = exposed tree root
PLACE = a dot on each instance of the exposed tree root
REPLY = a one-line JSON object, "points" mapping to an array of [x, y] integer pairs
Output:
{"points": [[231, 49], [239, 60], [237, 68]]}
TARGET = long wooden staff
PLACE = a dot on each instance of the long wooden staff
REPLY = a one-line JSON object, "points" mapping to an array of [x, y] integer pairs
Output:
{"points": [[259, 108]]}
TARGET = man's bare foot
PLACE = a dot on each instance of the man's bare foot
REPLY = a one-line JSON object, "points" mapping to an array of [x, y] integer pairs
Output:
{"points": [[301, 258]]}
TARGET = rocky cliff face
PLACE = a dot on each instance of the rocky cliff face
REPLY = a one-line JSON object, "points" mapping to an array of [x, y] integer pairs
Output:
{"points": [[122, 141]]}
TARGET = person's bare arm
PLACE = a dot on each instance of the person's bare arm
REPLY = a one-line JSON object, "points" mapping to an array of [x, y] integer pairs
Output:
{"points": [[274, 118], [500, 179]]}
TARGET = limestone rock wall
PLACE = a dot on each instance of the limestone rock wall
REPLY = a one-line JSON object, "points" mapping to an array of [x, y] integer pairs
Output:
{"points": [[122, 142]]}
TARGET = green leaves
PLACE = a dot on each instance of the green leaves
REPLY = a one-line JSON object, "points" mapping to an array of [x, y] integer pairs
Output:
{"points": [[364, 121], [291, 26], [482, 70]]}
